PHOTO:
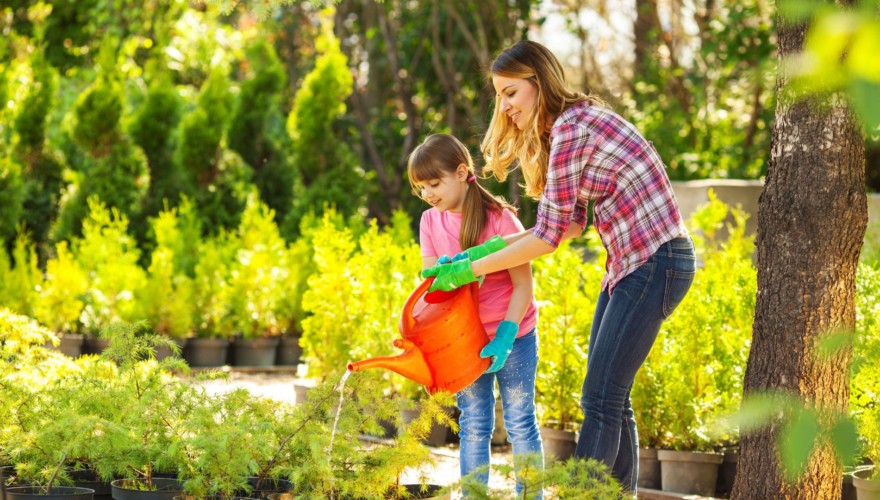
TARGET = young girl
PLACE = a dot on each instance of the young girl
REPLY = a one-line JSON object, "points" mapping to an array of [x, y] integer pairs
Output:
{"points": [[573, 150], [463, 215]]}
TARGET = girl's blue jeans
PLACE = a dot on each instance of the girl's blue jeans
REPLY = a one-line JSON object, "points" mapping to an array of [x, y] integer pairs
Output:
{"points": [[516, 383], [625, 326]]}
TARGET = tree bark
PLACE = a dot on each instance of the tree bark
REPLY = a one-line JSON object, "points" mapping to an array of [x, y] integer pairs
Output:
{"points": [[812, 216]]}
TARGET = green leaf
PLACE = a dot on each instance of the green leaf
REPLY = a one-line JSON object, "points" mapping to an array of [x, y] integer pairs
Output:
{"points": [[797, 441], [844, 436], [797, 10], [865, 97]]}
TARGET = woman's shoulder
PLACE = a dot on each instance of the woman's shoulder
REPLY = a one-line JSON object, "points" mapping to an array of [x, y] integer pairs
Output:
{"points": [[588, 115]]}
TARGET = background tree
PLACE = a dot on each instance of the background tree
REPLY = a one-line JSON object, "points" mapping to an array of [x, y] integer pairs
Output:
{"points": [[811, 223]]}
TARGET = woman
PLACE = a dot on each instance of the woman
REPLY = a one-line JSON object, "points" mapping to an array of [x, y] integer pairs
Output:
{"points": [[573, 150]]}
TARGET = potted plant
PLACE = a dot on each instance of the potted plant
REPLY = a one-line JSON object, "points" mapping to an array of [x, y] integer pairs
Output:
{"points": [[109, 256], [259, 280], [58, 303], [564, 285], [212, 313], [167, 299], [865, 380]]}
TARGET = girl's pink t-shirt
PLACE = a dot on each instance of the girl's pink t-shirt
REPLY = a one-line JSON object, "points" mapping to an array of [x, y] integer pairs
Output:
{"points": [[438, 235]]}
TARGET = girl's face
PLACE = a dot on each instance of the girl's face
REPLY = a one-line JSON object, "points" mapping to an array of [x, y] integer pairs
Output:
{"points": [[446, 193], [518, 98]]}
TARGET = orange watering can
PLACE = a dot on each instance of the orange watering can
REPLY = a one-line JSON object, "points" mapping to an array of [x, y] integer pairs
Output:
{"points": [[442, 338]]}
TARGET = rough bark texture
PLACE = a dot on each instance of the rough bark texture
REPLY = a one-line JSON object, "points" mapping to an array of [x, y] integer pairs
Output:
{"points": [[811, 223]]}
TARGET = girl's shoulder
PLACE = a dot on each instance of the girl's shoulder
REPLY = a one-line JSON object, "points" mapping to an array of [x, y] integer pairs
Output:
{"points": [[504, 221]]}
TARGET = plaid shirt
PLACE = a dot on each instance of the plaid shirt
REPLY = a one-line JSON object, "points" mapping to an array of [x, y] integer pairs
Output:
{"points": [[597, 155]]}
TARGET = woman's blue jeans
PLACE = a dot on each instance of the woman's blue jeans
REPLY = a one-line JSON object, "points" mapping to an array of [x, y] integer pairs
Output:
{"points": [[516, 383], [625, 326]]}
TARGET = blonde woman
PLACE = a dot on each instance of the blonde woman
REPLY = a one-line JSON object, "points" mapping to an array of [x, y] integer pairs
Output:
{"points": [[572, 150]]}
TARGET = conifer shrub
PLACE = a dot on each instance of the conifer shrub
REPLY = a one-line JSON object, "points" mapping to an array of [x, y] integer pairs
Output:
{"points": [[59, 301], [21, 276], [109, 256], [152, 128], [256, 129], [12, 196], [327, 168]]}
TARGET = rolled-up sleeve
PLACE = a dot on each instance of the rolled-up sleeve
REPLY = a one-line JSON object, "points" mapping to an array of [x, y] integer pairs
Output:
{"points": [[570, 150]]}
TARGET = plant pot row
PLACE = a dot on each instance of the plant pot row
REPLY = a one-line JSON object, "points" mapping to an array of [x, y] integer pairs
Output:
{"points": [[207, 352], [687, 472]]}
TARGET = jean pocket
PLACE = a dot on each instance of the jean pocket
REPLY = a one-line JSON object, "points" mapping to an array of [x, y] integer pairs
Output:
{"points": [[677, 285]]}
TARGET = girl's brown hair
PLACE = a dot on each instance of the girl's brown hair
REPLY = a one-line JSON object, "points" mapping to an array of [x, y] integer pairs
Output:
{"points": [[441, 154], [504, 143]]}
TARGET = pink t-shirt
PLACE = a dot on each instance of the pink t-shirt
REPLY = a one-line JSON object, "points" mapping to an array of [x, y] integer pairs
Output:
{"points": [[438, 235]]}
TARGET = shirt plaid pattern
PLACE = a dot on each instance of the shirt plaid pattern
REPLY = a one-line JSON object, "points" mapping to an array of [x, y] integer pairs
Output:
{"points": [[597, 155]]}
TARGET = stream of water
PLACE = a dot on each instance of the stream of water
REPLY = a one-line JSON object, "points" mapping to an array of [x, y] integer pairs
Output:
{"points": [[341, 389]]}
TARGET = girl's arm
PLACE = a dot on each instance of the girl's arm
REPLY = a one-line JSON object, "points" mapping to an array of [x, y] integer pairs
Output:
{"points": [[428, 262], [521, 297]]}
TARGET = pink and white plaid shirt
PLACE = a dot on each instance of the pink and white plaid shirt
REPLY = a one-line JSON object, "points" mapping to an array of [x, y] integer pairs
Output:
{"points": [[597, 155]]}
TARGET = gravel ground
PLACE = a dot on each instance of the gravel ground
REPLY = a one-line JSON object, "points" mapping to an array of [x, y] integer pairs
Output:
{"points": [[280, 386]]}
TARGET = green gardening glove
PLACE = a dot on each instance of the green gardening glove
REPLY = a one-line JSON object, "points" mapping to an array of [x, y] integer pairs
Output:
{"points": [[499, 348], [448, 277], [491, 245], [477, 252]]}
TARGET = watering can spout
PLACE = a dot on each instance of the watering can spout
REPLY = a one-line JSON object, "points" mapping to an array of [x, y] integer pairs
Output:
{"points": [[410, 363]]}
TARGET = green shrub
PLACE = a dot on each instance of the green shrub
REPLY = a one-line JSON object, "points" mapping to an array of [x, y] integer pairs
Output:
{"points": [[328, 171], [21, 280], [211, 289], [167, 297], [259, 274], [355, 295], [12, 196], [252, 131], [152, 128], [865, 380], [109, 257], [60, 300]]}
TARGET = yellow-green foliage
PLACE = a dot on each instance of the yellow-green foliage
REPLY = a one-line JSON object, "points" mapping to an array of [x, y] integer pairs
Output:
{"points": [[168, 294], [566, 289], [21, 280], [356, 295], [260, 274], [865, 381], [694, 372], [59, 301], [109, 256]]}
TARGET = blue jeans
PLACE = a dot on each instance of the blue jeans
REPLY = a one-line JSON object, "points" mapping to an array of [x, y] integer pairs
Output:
{"points": [[516, 382], [625, 326]]}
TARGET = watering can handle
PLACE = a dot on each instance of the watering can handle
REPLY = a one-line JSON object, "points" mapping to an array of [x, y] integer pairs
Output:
{"points": [[419, 292]]}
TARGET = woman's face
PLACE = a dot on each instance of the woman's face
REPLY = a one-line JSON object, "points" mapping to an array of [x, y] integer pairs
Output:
{"points": [[518, 98]]}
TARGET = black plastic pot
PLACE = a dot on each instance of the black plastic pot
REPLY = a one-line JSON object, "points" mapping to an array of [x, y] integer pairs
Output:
{"points": [[259, 351], [281, 488], [132, 489], [289, 351], [86, 478], [56, 493], [205, 352]]}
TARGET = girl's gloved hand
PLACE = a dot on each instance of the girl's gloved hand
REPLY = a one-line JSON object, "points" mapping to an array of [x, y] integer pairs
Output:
{"points": [[448, 277], [499, 348]]}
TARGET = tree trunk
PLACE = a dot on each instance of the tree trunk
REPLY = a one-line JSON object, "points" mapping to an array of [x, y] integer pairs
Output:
{"points": [[812, 216]]}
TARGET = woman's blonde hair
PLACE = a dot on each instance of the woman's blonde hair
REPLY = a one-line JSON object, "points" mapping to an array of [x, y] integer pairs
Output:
{"points": [[503, 142], [441, 154]]}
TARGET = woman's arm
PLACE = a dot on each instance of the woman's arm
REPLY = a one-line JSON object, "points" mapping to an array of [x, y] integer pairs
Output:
{"points": [[523, 247]]}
